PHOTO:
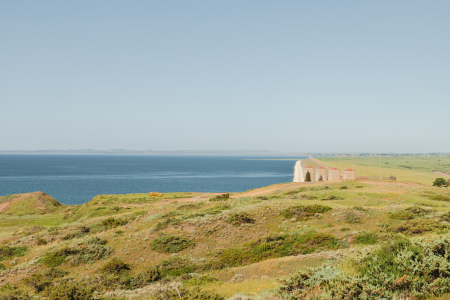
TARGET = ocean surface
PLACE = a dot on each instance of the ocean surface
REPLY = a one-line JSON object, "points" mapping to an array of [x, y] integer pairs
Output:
{"points": [[76, 179]]}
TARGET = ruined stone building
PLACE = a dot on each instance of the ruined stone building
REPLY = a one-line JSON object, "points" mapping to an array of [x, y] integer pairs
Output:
{"points": [[321, 171], [334, 174], [349, 174]]}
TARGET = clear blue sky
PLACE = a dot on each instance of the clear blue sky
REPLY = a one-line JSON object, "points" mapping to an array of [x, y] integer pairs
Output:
{"points": [[322, 76]]}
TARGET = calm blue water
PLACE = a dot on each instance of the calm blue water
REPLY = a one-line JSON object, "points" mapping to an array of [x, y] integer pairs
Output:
{"points": [[76, 179]]}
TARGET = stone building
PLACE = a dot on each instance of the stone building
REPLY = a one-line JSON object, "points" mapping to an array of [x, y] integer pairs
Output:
{"points": [[334, 174], [349, 174], [321, 171]]}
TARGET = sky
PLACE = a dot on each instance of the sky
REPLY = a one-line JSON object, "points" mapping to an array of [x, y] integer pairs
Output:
{"points": [[289, 76]]}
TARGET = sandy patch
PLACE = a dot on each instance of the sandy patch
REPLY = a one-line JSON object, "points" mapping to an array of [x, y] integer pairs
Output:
{"points": [[442, 174]]}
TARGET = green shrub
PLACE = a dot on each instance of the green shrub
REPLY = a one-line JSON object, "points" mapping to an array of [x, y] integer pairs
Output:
{"points": [[365, 239], [12, 292], [176, 266], [90, 254], [343, 187], [109, 223], [401, 215], [304, 211], [37, 282], [276, 246], [240, 218], [170, 244], [440, 182], [55, 258], [2, 267], [439, 198], [96, 240], [53, 273], [69, 289], [201, 280], [345, 229], [352, 218], [409, 213], [415, 226], [221, 197], [115, 266], [40, 242], [7, 252], [144, 278], [119, 232], [332, 197], [190, 206]]}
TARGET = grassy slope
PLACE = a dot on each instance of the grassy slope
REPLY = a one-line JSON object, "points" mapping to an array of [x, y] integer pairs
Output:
{"points": [[212, 233], [415, 169]]}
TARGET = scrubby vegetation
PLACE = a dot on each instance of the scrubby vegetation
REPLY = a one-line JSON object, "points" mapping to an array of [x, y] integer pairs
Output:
{"points": [[7, 252], [401, 269], [304, 212], [170, 244], [125, 246]]}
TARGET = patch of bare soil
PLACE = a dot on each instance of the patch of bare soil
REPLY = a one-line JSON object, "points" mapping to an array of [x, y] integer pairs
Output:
{"points": [[442, 174], [4, 206]]}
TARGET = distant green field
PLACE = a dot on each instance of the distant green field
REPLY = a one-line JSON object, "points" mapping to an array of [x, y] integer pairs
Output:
{"points": [[416, 169]]}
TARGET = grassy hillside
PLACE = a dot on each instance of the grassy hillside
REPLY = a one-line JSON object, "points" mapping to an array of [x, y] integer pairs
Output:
{"points": [[257, 243]]}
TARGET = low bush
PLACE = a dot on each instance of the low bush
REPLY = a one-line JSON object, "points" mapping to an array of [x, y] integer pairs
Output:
{"points": [[401, 215], [53, 273], [237, 219], [7, 252], [37, 282], [365, 239], [352, 217], [401, 269], [55, 258], [2, 267], [343, 187], [90, 254], [304, 211], [144, 278], [12, 292], [170, 244], [277, 246], [40, 242], [176, 266], [190, 206], [115, 266], [415, 226], [201, 280], [221, 197], [438, 197], [96, 241], [409, 213], [345, 229], [70, 289], [109, 223], [332, 197]]}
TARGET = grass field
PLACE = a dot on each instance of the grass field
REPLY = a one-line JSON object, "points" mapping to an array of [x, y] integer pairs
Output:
{"points": [[415, 169]]}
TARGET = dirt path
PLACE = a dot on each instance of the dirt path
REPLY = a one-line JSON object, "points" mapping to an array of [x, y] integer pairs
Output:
{"points": [[442, 174]]}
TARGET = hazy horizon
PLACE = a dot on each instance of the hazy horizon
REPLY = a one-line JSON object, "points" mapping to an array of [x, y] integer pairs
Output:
{"points": [[296, 76]]}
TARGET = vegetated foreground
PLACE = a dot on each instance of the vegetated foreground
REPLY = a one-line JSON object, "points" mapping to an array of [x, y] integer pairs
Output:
{"points": [[340, 240]]}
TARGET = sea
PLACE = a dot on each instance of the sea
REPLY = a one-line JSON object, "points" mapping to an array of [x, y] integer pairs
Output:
{"points": [[76, 179]]}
